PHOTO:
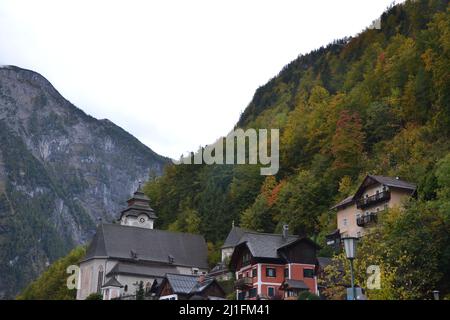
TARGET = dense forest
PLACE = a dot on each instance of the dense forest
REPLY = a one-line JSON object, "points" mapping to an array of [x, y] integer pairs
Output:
{"points": [[376, 103]]}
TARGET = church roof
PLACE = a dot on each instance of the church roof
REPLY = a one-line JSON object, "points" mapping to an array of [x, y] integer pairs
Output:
{"points": [[141, 269], [139, 195], [138, 204], [148, 245]]}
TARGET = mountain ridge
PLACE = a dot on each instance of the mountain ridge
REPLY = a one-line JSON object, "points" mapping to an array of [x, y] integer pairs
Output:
{"points": [[60, 171]]}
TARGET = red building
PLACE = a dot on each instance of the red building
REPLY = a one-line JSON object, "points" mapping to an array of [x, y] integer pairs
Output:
{"points": [[273, 266]]}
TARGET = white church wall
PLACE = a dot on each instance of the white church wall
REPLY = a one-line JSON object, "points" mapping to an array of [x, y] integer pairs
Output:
{"points": [[89, 273]]}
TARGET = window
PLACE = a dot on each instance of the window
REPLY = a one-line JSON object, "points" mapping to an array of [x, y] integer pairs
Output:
{"points": [[358, 234], [286, 272], [345, 221], [252, 293], [246, 258], [100, 279], [308, 273], [270, 291], [254, 273], [241, 295], [125, 288], [271, 272]]}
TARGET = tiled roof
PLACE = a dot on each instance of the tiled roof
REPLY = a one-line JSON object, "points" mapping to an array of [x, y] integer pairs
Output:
{"points": [[182, 283], [187, 284], [233, 237], [112, 283], [387, 181], [265, 245], [158, 271], [344, 202], [295, 284], [149, 245], [394, 182]]}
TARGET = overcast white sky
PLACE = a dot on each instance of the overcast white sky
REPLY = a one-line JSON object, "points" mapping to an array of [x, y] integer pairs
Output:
{"points": [[176, 74]]}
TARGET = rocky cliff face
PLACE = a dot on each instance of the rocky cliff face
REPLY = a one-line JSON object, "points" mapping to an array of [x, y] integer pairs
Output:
{"points": [[60, 172]]}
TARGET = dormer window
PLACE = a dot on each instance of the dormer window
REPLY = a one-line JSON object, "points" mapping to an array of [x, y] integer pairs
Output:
{"points": [[171, 259]]}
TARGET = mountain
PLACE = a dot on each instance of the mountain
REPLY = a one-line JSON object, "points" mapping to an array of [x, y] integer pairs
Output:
{"points": [[375, 103], [61, 171]]}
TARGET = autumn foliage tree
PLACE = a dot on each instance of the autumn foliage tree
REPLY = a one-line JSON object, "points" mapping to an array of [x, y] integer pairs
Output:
{"points": [[348, 144]]}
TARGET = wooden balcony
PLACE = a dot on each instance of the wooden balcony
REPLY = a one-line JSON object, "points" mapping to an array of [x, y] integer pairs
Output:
{"points": [[366, 220], [366, 202], [243, 283]]}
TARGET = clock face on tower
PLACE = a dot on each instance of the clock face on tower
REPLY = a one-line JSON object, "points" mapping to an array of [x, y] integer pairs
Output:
{"points": [[142, 220]]}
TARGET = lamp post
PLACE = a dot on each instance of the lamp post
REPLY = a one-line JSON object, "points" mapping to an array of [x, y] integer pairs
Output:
{"points": [[436, 294], [350, 253]]}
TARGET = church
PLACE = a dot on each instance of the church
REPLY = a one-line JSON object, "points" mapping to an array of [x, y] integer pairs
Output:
{"points": [[130, 252]]}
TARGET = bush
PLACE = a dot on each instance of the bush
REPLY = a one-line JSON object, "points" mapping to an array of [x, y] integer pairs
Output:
{"points": [[94, 296], [306, 295]]}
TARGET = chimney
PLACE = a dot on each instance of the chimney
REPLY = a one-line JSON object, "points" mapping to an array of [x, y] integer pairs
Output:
{"points": [[285, 231]]}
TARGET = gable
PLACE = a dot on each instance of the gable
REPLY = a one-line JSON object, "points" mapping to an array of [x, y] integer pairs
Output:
{"points": [[237, 258], [301, 251], [165, 288]]}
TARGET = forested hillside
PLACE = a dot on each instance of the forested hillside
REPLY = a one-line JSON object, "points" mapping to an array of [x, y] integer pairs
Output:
{"points": [[377, 103]]}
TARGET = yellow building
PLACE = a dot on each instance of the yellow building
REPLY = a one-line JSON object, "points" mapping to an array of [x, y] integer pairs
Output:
{"points": [[357, 213]]}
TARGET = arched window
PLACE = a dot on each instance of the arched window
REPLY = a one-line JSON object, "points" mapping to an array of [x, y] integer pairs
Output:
{"points": [[100, 279], [125, 288]]}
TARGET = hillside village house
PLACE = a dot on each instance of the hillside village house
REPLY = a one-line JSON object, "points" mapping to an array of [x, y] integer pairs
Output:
{"points": [[357, 213], [123, 254], [271, 266], [190, 287]]}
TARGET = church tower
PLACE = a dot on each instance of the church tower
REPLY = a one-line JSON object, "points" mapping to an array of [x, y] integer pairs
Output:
{"points": [[138, 213]]}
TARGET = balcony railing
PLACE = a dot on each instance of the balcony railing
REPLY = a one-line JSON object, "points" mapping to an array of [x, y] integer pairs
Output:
{"points": [[243, 283], [367, 219], [374, 199]]}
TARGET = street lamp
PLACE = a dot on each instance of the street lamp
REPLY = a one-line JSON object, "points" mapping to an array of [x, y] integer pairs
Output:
{"points": [[350, 253], [436, 294]]}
